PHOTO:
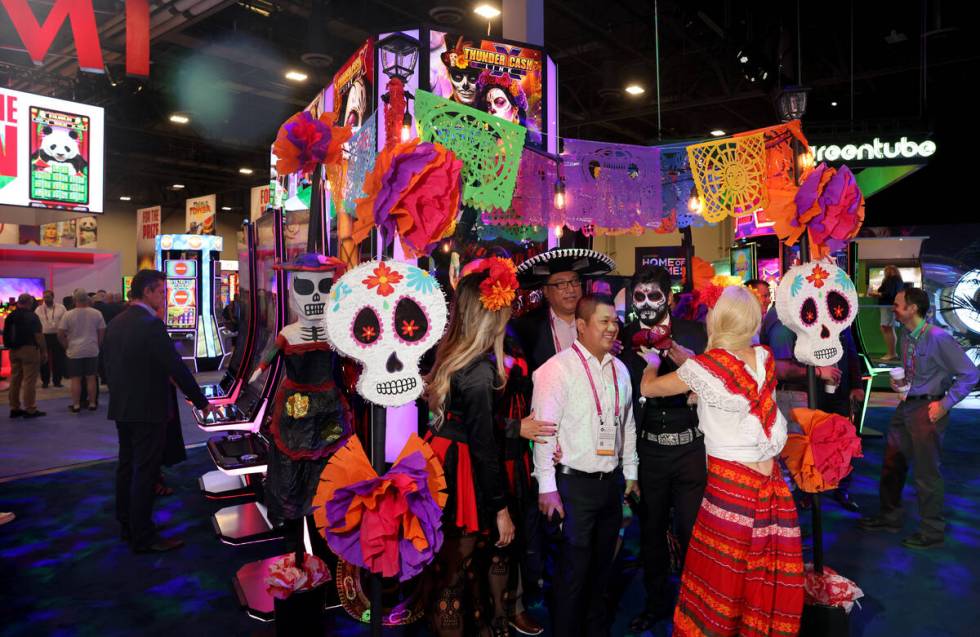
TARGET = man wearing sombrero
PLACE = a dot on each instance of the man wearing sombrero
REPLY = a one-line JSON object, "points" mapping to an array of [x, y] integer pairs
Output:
{"points": [[548, 330]]}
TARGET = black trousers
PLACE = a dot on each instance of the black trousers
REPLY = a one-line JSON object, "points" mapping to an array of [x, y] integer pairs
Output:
{"points": [[593, 516], [141, 446], [669, 477], [54, 369], [914, 441]]}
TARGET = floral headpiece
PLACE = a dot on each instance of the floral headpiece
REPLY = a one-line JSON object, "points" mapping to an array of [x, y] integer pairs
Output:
{"points": [[456, 57], [505, 82], [499, 289]]}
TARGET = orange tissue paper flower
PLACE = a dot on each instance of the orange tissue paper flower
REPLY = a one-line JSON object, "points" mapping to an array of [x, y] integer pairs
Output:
{"points": [[820, 457]]}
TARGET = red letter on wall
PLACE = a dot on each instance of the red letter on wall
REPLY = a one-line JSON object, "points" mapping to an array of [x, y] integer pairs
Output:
{"points": [[37, 39]]}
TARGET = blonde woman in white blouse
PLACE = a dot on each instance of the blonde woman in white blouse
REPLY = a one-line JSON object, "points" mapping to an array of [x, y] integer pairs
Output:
{"points": [[743, 566]]}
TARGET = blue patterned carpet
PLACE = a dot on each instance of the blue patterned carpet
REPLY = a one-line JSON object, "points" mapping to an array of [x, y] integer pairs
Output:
{"points": [[65, 572]]}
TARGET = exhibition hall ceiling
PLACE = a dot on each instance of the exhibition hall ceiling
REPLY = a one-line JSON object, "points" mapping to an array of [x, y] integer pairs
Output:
{"points": [[222, 64]]}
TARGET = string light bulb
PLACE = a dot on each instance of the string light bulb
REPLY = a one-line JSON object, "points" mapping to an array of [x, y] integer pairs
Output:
{"points": [[694, 204], [407, 127], [559, 231], [560, 194]]}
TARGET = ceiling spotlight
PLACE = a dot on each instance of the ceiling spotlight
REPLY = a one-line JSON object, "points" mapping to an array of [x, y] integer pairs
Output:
{"points": [[833, 103], [635, 89], [125, 198], [246, 171], [178, 186], [717, 133], [226, 208], [296, 76], [486, 11], [178, 118]]}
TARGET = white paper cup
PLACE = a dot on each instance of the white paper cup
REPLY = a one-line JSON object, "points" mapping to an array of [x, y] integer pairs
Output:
{"points": [[897, 374], [830, 388]]}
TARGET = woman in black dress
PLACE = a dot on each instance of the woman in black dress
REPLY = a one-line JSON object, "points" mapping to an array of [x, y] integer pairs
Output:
{"points": [[463, 395]]}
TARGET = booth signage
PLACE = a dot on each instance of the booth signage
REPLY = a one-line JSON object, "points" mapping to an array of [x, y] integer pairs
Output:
{"points": [[875, 151], [147, 229], [671, 258], [200, 213], [80, 15]]}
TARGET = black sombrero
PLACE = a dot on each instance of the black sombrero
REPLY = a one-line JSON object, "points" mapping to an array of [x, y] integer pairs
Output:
{"points": [[535, 271]]}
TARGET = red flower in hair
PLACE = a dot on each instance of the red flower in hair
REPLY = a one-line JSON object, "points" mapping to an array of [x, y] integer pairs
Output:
{"points": [[499, 289]]}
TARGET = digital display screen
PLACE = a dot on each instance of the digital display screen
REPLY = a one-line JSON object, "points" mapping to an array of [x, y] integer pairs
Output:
{"points": [[12, 287], [182, 303], [51, 153], [910, 276], [181, 268], [743, 263]]}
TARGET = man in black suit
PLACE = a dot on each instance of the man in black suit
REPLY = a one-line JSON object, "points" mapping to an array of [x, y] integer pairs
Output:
{"points": [[140, 361], [673, 468]]}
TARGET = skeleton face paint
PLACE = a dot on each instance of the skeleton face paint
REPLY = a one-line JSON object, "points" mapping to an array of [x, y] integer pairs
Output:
{"points": [[650, 303], [464, 85], [308, 294], [498, 104]]}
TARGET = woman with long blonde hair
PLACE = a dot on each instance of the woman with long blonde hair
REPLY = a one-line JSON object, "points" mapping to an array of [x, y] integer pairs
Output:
{"points": [[743, 572], [462, 391]]}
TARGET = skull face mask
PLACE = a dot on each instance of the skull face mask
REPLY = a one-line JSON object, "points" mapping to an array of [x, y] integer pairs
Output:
{"points": [[650, 303], [816, 301], [464, 85], [386, 315], [308, 294]]}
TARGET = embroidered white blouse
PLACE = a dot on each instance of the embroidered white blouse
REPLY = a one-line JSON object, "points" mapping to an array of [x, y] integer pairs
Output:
{"points": [[731, 431]]}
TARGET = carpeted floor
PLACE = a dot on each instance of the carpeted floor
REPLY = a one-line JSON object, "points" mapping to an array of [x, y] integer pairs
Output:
{"points": [[66, 573]]}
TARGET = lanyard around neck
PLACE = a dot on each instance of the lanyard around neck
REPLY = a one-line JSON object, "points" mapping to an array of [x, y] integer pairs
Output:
{"points": [[595, 394]]}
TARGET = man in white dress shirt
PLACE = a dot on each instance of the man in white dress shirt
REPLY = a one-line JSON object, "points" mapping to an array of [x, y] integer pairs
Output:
{"points": [[587, 393], [50, 314]]}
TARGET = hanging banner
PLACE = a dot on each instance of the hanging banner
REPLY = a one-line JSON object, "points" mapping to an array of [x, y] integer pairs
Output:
{"points": [[88, 233], [147, 229], [260, 201], [200, 214], [60, 234], [352, 87]]}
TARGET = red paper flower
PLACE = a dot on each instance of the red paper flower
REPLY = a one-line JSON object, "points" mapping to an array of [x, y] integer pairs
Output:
{"points": [[304, 142], [829, 588], [499, 289], [285, 578], [817, 277], [382, 278], [820, 457]]}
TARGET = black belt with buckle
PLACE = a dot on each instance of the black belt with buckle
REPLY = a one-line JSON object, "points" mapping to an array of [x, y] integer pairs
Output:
{"points": [[929, 397], [595, 475], [672, 439]]}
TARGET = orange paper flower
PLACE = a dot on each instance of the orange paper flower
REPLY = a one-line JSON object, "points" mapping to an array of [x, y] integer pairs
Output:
{"points": [[820, 456]]}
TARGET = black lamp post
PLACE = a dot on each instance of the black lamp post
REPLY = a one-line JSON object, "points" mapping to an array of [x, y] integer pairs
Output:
{"points": [[399, 56], [791, 103]]}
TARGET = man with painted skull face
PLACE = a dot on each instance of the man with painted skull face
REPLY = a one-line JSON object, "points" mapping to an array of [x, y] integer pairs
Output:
{"points": [[310, 417], [673, 469]]}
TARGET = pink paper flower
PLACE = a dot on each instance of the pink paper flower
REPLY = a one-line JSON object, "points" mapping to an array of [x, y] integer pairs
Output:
{"points": [[285, 578]]}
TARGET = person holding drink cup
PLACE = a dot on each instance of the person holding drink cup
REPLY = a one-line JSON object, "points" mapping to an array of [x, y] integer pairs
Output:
{"points": [[936, 374]]}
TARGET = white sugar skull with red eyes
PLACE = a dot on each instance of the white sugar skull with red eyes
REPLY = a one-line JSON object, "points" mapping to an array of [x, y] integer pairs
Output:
{"points": [[386, 315], [817, 301]]}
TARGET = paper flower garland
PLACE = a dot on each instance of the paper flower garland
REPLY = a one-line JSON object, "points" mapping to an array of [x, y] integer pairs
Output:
{"points": [[304, 142], [413, 190], [390, 525], [820, 457], [730, 175], [829, 588], [489, 147], [285, 578]]}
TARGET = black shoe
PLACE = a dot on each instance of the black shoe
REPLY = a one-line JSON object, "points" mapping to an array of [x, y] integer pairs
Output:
{"points": [[878, 523], [44, 385], [17, 413], [73, 409], [843, 498], [93, 406], [919, 541], [160, 546], [34, 414], [59, 385]]}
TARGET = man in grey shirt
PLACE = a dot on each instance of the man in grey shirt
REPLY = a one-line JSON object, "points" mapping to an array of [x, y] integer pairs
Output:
{"points": [[939, 375]]}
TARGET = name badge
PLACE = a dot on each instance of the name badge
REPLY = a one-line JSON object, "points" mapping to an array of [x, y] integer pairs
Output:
{"points": [[606, 445]]}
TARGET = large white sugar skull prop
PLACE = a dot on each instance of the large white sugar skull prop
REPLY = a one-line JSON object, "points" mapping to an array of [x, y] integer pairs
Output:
{"points": [[817, 301], [386, 315], [308, 294]]}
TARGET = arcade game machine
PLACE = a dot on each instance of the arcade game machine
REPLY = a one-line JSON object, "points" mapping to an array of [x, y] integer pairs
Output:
{"points": [[189, 261], [239, 451]]}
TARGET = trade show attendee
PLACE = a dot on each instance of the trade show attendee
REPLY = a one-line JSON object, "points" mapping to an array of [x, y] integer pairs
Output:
{"points": [[231, 317], [938, 374], [761, 291], [81, 331], [743, 573], [50, 314], [844, 377], [140, 362], [461, 391], [22, 335], [586, 392], [673, 471], [890, 286], [547, 330]]}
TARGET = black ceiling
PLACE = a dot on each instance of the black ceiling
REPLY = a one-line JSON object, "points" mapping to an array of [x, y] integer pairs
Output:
{"points": [[222, 61]]}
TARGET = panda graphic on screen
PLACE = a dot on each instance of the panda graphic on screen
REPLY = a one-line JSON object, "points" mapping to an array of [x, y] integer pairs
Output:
{"points": [[59, 145]]}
